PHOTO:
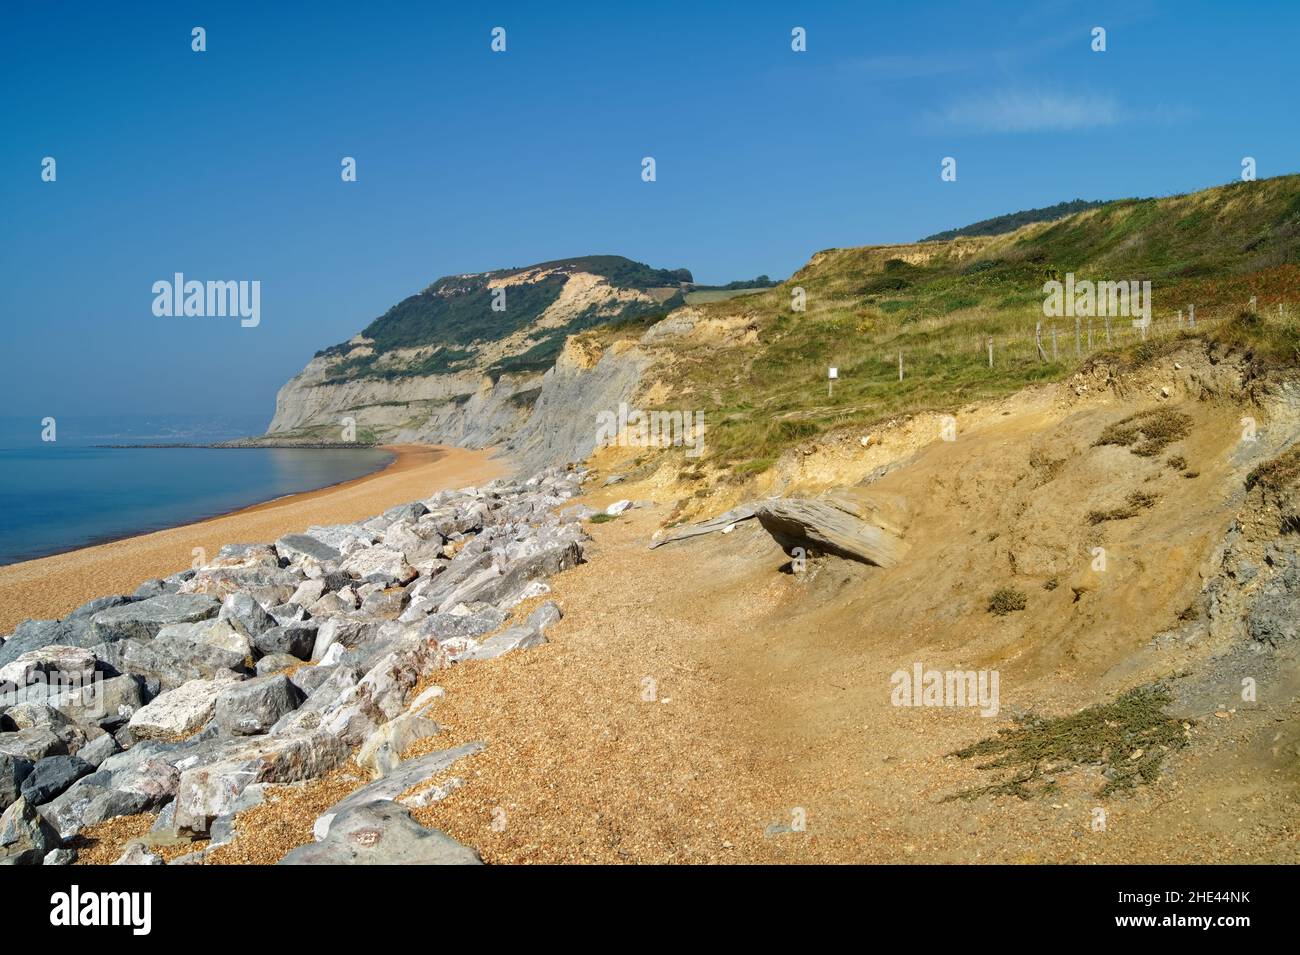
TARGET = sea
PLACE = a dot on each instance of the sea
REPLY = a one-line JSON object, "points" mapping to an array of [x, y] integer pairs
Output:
{"points": [[71, 492]]}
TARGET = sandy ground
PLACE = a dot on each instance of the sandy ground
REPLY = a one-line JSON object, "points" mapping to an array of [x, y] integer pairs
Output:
{"points": [[53, 586]]}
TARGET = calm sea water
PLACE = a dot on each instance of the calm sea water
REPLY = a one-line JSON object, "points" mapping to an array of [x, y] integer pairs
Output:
{"points": [[57, 496]]}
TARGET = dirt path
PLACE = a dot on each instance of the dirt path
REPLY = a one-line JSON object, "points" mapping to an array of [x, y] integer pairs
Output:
{"points": [[54, 586]]}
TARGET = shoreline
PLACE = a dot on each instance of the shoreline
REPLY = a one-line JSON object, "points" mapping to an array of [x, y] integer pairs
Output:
{"points": [[53, 586], [202, 518]]}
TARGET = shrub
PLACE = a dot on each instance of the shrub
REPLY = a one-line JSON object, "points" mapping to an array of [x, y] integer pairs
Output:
{"points": [[1278, 473], [1135, 502], [1007, 600], [1131, 736], [1147, 433]]}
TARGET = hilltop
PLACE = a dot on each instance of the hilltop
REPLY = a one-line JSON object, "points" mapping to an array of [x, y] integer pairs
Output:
{"points": [[1012, 221]]}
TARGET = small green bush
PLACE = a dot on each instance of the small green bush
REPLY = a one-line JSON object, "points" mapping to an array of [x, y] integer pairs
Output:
{"points": [[1007, 600]]}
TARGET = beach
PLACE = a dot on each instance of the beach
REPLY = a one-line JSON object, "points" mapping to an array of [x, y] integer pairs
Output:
{"points": [[51, 587]]}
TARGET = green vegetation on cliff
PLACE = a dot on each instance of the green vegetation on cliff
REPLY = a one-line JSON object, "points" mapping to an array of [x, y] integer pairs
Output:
{"points": [[456, 312], [939, 303]]}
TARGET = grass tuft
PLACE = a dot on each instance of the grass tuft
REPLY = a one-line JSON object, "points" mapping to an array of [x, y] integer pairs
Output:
{"points": [[1137, 501], [1130, 736], [1147, 433], [1276, 342], [1277, 474]]}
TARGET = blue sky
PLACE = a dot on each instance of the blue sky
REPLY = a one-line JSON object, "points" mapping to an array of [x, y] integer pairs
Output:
{"points": [[225, 164]]}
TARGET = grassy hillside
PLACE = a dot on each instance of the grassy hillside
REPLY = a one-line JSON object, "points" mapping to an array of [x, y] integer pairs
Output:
{"points": [[1012, 221], [938, 304]]}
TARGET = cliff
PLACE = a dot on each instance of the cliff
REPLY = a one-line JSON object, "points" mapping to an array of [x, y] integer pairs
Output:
{"points": [[472, 360]]}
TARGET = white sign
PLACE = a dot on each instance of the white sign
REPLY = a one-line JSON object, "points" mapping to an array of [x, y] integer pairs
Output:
{"points": [[835, 373]]}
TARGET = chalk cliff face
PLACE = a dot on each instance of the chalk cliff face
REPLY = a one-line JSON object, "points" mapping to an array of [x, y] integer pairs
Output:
{"points": [[478, 360]]}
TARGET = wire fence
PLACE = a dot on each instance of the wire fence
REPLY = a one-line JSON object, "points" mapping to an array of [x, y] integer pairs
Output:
{"points": [[1032, 341]]}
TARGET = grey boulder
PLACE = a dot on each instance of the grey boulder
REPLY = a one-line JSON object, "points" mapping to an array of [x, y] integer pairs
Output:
{"points": [[34, 634], [171, 660], [515, 638], [37, 742], [99, 749], [25, 838], [295, 639], [396, 781], [274, 663], [105, 703], [252, 707], [87, 803], [832, 525], [295, 546], [52, 776], [245, 614], [13, 770], [144, 618], [382, 833]]}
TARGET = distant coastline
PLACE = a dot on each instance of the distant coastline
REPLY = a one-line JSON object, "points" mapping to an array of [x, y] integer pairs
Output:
{"points": [[256, 444]]}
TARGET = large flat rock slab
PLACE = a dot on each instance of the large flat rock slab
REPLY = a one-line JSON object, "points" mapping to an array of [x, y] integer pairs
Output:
{"points": [[144, 618], [742, 513], [828, 527]]}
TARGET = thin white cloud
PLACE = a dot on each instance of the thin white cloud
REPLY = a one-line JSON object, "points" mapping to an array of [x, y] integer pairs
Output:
{"points": [[1027, 111]]}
